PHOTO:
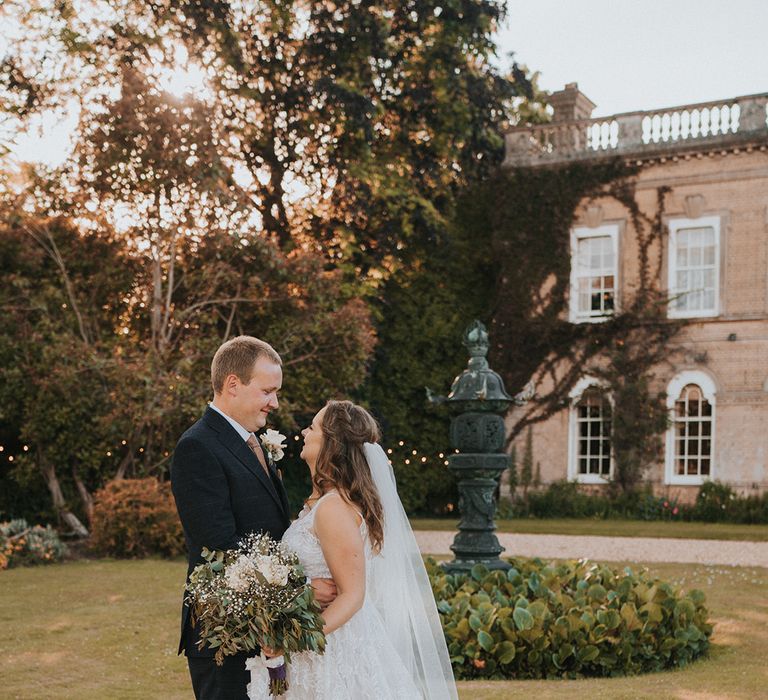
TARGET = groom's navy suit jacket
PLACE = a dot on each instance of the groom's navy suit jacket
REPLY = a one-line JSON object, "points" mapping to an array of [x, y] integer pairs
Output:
{"points": [[222, 494]]}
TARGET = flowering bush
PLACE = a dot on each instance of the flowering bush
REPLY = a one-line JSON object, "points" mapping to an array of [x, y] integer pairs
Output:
{"points": [[568, 620], [658, 508], [21, 544], [136, 518]]}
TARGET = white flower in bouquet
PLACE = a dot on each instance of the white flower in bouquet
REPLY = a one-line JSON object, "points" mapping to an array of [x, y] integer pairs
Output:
{"points": [[239, 573], [272, 570], [274, 443]]}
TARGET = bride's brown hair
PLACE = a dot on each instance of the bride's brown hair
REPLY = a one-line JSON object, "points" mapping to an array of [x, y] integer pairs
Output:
{"points": [[341, 462]]}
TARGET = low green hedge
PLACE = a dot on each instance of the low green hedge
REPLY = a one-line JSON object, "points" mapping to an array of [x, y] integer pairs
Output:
{"points": [[718, 502], [567, 620], [715, 502]]}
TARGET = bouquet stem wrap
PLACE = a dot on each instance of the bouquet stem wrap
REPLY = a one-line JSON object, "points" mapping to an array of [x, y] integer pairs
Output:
{"points": [[277, 676]]}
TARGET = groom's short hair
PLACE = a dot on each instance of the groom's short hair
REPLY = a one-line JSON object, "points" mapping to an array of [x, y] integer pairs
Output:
{"points": [[238, 356]]}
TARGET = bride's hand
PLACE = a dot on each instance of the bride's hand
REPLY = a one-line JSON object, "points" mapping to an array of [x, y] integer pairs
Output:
{"points": [[325, 591]]}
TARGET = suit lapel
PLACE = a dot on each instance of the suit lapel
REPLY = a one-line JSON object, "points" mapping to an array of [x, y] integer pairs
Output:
{"points": [[278, 481], [236, 445]]}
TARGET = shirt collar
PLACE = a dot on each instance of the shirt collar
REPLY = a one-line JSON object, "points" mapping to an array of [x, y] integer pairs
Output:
{"points": [[241, 431]]}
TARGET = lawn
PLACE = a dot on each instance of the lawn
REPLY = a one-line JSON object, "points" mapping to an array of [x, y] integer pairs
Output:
{"points": [[613, 528], [107, 629]]}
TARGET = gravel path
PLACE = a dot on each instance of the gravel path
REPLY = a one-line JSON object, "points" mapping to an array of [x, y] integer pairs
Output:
{"points": [[643, 549]]}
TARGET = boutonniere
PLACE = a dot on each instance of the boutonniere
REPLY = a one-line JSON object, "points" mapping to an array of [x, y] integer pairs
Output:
{"points": [[274, 444]]}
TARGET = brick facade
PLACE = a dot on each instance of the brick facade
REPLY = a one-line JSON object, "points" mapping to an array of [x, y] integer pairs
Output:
{"points": [[731, 348]]}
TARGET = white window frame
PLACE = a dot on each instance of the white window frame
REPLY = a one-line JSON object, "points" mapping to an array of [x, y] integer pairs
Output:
{"points": [[573, 433], [674, 227], [579, 233], [709, 390]]}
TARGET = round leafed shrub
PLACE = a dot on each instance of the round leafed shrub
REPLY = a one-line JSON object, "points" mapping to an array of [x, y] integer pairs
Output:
{"points": [[21, 544], [567, 620], [136, 518]]}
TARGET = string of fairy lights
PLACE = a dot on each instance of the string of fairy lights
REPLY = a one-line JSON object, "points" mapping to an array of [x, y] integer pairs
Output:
{"points": [[11, 458], [414, 457], [414, 454]]}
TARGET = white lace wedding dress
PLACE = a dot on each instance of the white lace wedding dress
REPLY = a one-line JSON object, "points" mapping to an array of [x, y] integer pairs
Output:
{"points": [[360, 662]]}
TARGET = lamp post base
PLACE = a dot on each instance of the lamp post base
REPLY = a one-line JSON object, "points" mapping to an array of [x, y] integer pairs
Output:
{"points": [[476, 541], [464, 566], [472, 547]]}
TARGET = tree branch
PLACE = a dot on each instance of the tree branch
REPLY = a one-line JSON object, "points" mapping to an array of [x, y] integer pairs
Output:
{"points": [[53, 251]]}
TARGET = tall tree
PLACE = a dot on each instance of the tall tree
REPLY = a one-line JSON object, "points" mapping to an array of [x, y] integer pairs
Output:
{"points": [[378, 109], [352, 123], [65, 291], [323, 137]]}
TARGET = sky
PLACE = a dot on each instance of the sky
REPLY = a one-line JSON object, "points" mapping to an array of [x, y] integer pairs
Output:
{"points": [[629, 55], [626, 55]]}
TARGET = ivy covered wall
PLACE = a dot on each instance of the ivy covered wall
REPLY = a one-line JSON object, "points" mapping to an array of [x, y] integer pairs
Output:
{"points": [[507, 262]]}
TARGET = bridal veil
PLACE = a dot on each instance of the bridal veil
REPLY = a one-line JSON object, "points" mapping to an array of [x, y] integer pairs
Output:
{"points": [[399, 586]]}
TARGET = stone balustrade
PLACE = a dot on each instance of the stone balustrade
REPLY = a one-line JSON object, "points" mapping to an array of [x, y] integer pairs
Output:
{"points": [[723, 124]]}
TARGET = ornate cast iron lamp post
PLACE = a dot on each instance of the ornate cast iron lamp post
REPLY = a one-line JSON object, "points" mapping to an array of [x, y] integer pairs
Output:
{"points": [[477, 433]]}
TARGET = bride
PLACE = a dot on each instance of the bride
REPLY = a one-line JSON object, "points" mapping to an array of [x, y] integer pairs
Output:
{"points": [[383, 634]]}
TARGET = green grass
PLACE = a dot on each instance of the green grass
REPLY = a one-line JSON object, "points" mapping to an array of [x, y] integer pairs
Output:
{"points": [[92, 630], [108, 629], [613, 528]]}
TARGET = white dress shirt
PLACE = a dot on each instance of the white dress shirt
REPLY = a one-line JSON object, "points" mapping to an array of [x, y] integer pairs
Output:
{"points": [[241, 431]]}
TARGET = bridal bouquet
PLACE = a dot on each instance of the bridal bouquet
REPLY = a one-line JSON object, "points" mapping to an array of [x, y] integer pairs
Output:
{"points": [[255, 596]]}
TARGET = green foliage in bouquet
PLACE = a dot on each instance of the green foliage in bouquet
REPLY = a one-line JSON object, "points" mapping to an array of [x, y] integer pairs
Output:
{"points": [[22, 544], [568, 620], [255, 596]]}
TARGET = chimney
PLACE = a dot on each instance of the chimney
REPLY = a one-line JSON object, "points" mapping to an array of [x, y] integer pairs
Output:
{"points": [[570, 105]]}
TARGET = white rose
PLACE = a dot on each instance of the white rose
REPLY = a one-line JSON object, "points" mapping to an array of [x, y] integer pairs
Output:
{"points": [[280, 574], [273, 572], [263, 563], [238, 573]]}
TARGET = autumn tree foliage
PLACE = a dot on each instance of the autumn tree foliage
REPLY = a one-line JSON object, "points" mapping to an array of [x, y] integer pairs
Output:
{"points": [[319, 155]]}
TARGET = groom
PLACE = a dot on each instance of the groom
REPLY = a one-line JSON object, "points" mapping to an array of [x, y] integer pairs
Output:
{"points": [[226, 487]]}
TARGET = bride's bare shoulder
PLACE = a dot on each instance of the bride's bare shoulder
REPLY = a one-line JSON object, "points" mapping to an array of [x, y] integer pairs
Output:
{"points": [[334, 513]]}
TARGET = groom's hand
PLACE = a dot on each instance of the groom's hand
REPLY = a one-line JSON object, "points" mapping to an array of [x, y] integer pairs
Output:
{"points": [[325, 591]]}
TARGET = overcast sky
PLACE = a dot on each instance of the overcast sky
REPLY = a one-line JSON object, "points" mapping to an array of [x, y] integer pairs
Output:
{"points": [[631, 55]]}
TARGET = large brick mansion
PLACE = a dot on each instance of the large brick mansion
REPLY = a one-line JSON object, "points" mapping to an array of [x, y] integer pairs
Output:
{"points": [[714, 157]]}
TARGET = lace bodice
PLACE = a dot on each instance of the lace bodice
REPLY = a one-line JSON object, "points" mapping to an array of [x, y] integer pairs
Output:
{"points": [[300, 538]]}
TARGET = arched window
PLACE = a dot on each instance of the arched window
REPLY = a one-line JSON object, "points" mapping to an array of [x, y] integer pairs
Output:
{"points": [[691, 436], [590, 457]]}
